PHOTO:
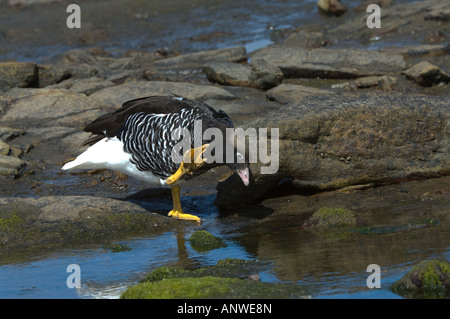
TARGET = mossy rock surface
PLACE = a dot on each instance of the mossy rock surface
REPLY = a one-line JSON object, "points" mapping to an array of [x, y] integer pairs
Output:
{"points": [[211, 287], [226, 279], [230, 268], [428, 279], [202, 240], [326, 217]]}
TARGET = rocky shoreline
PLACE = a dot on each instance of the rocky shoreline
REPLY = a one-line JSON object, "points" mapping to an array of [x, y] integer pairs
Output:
{"points": [[349, 118]]}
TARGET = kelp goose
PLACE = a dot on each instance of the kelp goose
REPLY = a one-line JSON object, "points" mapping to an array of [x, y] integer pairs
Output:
{"points": [[138, 140]]}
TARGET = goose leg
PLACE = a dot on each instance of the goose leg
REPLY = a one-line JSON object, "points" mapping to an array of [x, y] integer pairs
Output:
{"points": [[177, 211]]}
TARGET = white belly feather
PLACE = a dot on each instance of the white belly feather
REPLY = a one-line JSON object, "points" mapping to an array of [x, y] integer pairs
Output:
{"points": [[108, 153]]}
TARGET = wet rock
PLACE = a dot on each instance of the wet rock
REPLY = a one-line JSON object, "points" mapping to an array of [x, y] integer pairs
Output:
{"points": [[228, 73], [49, 107], [387, 82], [440, 12], [18, 74], [115, 96], [325, 63], [286, 92], [331, 7], [428, 279], [327, 217], [388, 136], [10, 165], [305, 39], [202, 240], [59, 221], [8, 133], [427, 74], [198, 59], [366, 81], [86, 86], [417, 50], [219, 281], [4, 148], [50, 74]]}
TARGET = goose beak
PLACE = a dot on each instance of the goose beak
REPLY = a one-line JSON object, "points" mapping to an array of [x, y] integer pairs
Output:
{"points": [[244, 175]]}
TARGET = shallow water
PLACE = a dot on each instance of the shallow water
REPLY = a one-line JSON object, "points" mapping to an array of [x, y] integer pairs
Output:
{"points": [[327, 265]]}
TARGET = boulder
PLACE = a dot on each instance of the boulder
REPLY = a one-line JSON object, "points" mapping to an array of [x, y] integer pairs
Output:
{"points": [[428, 279], [49, 107], [286, 92], [331, 142], [290, 62], [18, 74], [115, 96], [228, 73], [197, 59], [427, 74], [10, 165], [62, 221]]}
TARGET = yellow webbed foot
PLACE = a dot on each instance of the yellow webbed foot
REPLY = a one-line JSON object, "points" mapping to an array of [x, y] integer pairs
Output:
{"points": [[177, 211], [181, 215]]}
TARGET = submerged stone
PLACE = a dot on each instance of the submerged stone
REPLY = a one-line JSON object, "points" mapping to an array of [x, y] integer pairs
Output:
{"points": [[223, 280], [202, 240], [329, 217]]}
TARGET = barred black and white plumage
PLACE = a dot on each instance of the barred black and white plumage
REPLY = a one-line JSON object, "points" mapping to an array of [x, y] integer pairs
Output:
{"points": [[149, 139], [137, 139]]}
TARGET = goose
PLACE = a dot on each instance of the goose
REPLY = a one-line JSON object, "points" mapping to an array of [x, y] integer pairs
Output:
{"points": [[139, 140]]}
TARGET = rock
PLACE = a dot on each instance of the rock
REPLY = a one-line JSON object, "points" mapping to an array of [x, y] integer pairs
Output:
{"points": [[285, 93], [50, 74], [387, 82], [324, 63], [331, 7], [49, 107], [4, 148], [305, 39], [18, 74], [62, 221], [226, 279], [417, 50], [10, 166], [7, 133], [202, 240], [366, 81], [115, 96], [387, 136], [198, 59], [439, 12], [428, 279], [327, 217], [228, 73], [426, 74]]}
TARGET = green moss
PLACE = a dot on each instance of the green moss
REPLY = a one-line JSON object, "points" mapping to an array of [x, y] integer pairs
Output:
{"points": [[211, 287], [230, 267], [203, 241], [11, 223], [173, 288], [226, 279], [116, 248], [428, 279]]}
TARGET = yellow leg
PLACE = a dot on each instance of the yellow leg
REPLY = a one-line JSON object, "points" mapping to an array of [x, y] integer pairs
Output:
{"points": [[177, 211], [192, 160]]}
